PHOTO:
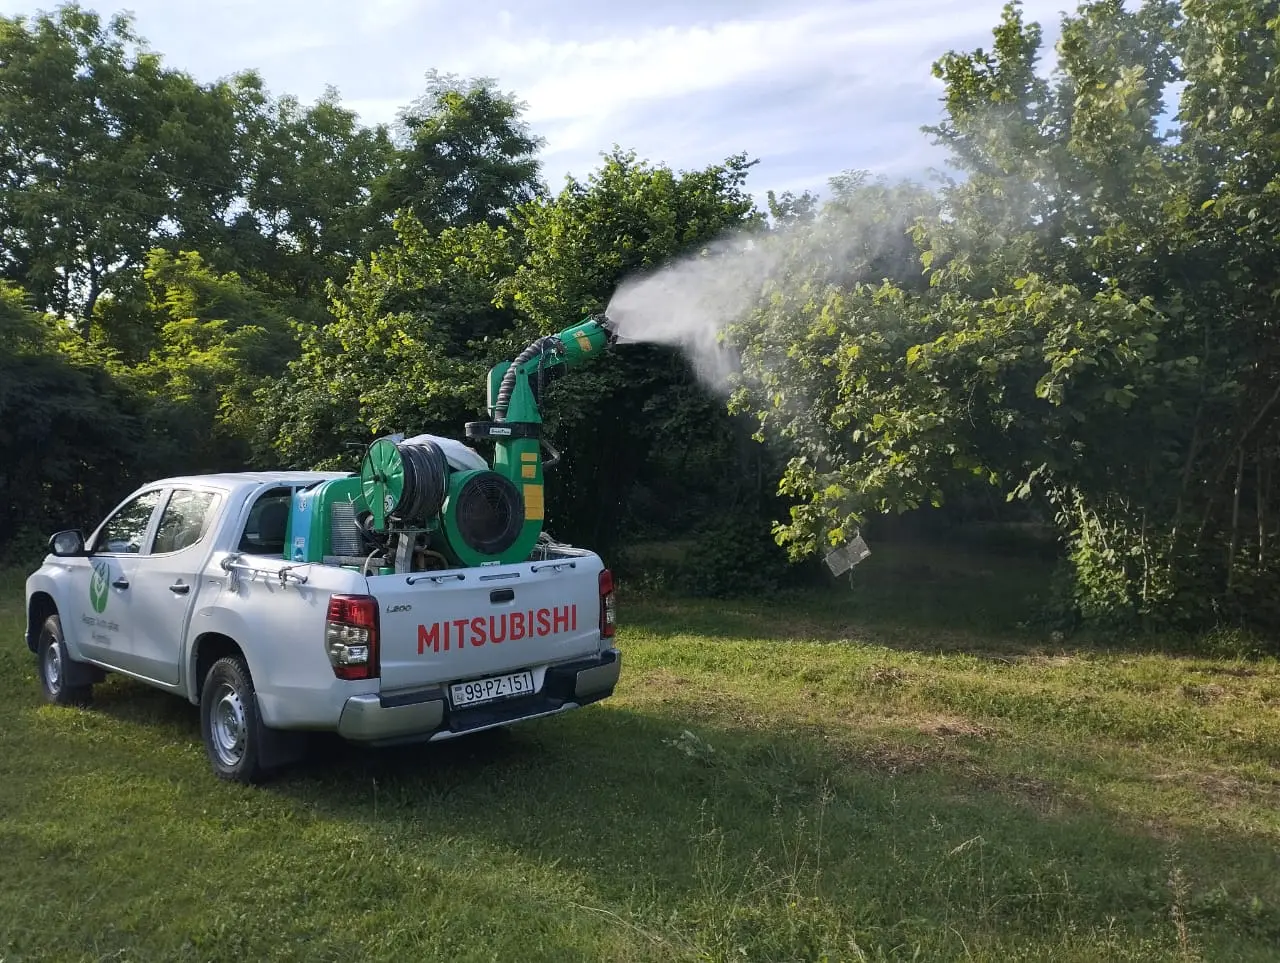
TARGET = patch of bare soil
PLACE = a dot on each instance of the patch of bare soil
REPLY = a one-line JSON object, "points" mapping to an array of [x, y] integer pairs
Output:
{"points": [[1204, 694], [1040, 660], [1043, 795], [1239, 671], [943, 727], [886, 677], [664, 680], [1223, 790]]}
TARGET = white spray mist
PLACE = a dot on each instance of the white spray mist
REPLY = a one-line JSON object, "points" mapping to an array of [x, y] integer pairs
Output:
{"points": [[690, 302]]}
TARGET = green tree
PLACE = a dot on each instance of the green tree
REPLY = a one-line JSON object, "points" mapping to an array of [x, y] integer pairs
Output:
{"points": [[1096, 330], [103, 152], [836, 316], [467, 157], [219, 342], [415, 328], [74, 438], [309, 179]]}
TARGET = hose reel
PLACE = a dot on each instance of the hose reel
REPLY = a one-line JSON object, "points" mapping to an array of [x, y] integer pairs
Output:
{"points": [[404, 482]]}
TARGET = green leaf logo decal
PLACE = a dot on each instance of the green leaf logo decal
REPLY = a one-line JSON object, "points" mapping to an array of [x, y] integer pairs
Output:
{"points": [[98, 585]]}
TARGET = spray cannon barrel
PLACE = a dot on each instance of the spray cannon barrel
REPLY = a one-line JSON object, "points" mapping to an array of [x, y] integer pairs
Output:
{"points": [[515, 387], [597, 327], [544, 360], [547, 358]]}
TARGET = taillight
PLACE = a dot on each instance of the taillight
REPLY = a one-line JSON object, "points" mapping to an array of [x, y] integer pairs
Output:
{"points": [[351, 636], [607, 614]]}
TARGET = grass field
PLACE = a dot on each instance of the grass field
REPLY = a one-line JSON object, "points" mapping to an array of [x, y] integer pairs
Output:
{"points": [[892, 772]]}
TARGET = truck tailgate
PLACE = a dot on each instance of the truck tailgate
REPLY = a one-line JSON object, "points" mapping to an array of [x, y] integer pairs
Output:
{"points": [[439, 627]]}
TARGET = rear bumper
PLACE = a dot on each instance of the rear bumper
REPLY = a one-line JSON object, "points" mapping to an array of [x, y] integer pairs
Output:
{"points": [[427, 715]]}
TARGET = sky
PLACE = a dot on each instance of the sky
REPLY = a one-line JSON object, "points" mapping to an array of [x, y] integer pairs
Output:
{"points": [[809, 88]]}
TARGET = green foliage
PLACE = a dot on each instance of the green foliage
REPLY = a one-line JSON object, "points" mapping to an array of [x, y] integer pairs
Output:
{"points": [[73, 436], [101, 147], [1095, 332], [468, 157], [822, 333], [220, 341], [731, 555], [414, 331], [309, 179]]}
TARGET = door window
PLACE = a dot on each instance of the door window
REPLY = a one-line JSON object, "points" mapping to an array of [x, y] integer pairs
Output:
{"points": [[126, 530], [185, 520]]}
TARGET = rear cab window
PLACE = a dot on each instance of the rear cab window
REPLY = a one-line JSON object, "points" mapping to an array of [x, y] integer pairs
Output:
{"points": [[264, 529]]}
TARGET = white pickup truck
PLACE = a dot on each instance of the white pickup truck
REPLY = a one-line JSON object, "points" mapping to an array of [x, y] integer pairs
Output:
{"points": [[187, 586]]}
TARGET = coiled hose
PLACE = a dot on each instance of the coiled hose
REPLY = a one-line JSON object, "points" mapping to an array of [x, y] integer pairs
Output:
{"points": [[426, 480], [540, 346]]}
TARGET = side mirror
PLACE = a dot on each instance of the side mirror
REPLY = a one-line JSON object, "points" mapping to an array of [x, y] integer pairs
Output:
{"points": [[67, 544]]}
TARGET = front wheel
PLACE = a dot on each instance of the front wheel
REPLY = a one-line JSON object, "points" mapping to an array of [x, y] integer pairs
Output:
{"points": [[56, 667], [230, 723]]}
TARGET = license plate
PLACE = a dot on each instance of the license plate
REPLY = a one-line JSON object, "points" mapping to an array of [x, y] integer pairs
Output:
{"points": [[487, 690]]}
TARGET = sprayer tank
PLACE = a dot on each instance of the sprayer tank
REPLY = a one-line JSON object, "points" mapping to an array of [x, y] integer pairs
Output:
{"points": [[322, 519]]}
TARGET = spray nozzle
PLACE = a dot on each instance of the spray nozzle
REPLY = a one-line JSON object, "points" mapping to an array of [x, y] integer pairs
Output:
{"points": [[607, 324]]}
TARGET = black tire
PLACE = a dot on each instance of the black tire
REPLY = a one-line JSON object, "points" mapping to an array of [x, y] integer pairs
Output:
{"points": [[53, 665], [229, 722]]}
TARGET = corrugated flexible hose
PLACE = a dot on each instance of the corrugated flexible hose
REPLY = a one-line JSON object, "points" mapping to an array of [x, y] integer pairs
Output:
{"points": [[540, 346]]}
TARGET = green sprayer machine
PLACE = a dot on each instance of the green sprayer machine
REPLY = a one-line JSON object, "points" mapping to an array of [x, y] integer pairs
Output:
{"points": [[428, 503]]}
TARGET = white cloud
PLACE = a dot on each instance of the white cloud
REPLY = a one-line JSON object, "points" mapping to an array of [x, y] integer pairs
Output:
{"points": [[854, 42], [388, 15], [810, 86], [851, 65]]}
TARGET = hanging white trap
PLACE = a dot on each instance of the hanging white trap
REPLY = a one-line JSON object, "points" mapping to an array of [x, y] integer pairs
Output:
{"points": [[847, 556]]}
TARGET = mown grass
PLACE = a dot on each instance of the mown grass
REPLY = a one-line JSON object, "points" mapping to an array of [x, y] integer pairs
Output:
{"points": [[893, 771]]}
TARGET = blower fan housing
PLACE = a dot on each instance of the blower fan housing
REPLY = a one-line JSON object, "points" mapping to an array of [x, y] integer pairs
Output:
{"points": [[483, 517]]}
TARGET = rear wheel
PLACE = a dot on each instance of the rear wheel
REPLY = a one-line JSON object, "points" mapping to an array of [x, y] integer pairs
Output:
{"points": [[56, 667], [230, 723]]}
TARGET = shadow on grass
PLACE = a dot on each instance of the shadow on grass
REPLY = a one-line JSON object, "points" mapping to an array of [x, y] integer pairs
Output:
{"points": [[741, 833], [709, 839]]}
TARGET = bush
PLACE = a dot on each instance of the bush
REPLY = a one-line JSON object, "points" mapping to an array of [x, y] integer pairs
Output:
{"points": [[733, 554], [24, 548]]}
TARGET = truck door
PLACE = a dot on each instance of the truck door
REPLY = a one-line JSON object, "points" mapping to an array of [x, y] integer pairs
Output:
{"points": [[166, 582], [101, 605]]}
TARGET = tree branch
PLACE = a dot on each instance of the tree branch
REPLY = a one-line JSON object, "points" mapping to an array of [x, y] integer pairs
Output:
{"points": [[1235, 520], [1262, 508], [1237, 447]]}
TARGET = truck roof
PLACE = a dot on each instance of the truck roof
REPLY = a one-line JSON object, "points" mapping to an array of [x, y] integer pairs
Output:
{"points": [[235, 478]]}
